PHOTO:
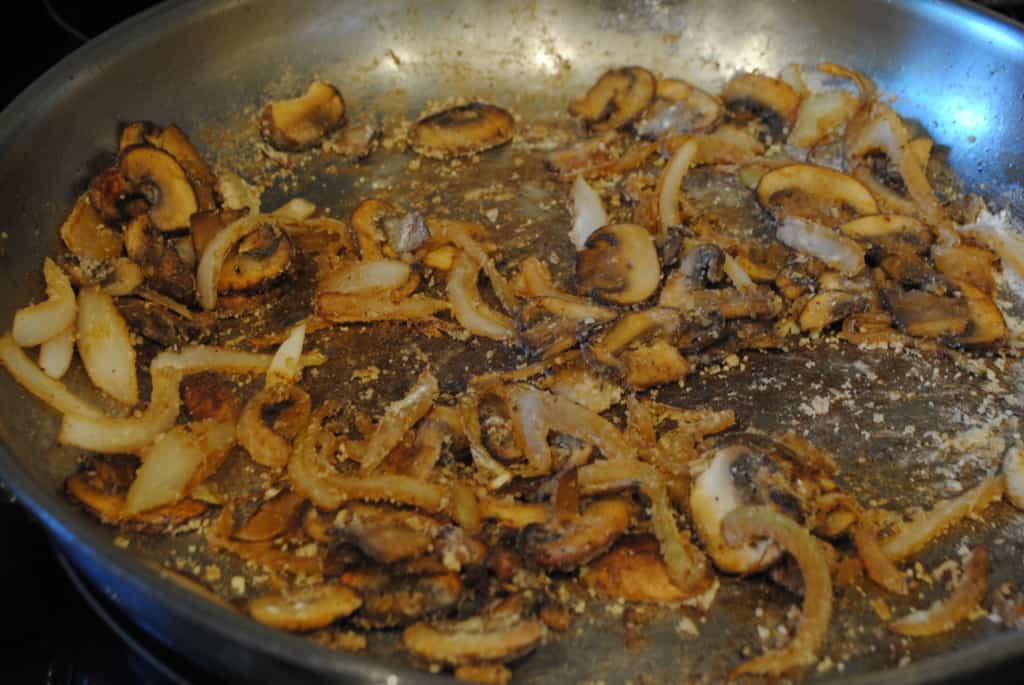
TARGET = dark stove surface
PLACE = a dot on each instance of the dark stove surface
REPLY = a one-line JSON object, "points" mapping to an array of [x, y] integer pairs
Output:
{"points": [[52, 635]]}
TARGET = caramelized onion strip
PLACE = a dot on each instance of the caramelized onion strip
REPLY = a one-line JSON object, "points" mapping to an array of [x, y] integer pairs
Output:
{"points": [[400, 417], [880, 568], [963, 601], [216, 252], [469, 308], [761, 521], [32, 378]]}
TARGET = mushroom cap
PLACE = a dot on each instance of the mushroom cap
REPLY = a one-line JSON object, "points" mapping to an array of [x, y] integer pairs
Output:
{"points": [[619, 96], [162, 181], [300, 123], [619, 264]]}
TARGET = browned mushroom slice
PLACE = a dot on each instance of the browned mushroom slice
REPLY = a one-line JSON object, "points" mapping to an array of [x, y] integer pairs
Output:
{"points": [[829, 307], [618, 264], [924, 315], [157, 177], [86, 236], [162, 266], [174, 141], [272, 519], [772, 101], [567, 546], [679, 107], [462, 130], [814, 192], [986, 326], [354, 142], [384, 534], [305, 608], [503, 637], [967, 263], [270, 420], [634, 571], [302, 122], [891, 232], [390, 601], [618, 97], [257, 262]]}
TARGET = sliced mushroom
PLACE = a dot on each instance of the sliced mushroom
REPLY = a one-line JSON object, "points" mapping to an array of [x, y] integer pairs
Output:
{"points": [[385, 534], [162, 266], [634, 571], [173, 141], [158, 178], [502, 637], [206, 224], [463, 130], [966, 263], [655, 364], [391, 601], [925, 315], [742, 473], [567, 546], [890, 232], [257, 262], [814, 192], [619, 96], [772, 101], [619, 264], [829, 307], [679, 107], [305, 608], [86, 236], [302, 122], [986, 326]]}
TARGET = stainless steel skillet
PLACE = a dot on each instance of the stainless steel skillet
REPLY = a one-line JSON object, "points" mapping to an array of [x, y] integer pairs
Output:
{"points": [[957, 70]]}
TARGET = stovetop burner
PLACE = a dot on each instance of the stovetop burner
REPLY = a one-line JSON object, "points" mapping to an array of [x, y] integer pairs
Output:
{"points": [[59, 631]]}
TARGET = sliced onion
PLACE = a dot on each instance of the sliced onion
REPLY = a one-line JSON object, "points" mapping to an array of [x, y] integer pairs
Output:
{"points": [[588, 212], [865, 85], [880, 568], [55, 354], [761, 521], [1013, 471], [105, 346], [169, 464], [963, 601], [198, 358], [736, 273], [612, 475], [537, 283], [475, 315], [687, 566], [269, 445], [913, 536], [356, 308], [512, 513], [314, 476], [286, 365], [536, 413], [47, 389], [110, 435], [482, 459], [820, 116], [670, 184], [35, 324], [366, 278], [474, 640], [296, 209], [399, 418], [828, 245], [997, 232], [216, 251]]}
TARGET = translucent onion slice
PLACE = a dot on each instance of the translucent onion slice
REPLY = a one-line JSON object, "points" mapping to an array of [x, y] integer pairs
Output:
{"points": [[588, 213], [749, 522], [110, 435], [169, 464], [475, 315], [366, 278], [105, 346], [913, 536], [214, 254], [820, 116], [1013, 471], [996, 231], [340, 308], [286, 366], [198, 358], [670, 184], [55, 354], [828, 245], [35, 324], [961, 603], [400, 417], [47, 389]]}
